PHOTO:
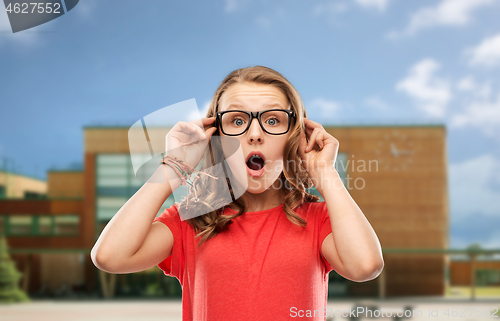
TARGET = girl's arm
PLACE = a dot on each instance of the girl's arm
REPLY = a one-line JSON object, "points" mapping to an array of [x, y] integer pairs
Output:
{"points": [[353, 248], [130, 242]]}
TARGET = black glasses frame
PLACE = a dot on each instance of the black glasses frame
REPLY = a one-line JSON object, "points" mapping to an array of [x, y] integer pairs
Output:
{"points": [[252, 115]]}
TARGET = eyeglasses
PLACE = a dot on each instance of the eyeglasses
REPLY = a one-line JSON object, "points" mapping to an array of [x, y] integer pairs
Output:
{"points": [[272, 121]]}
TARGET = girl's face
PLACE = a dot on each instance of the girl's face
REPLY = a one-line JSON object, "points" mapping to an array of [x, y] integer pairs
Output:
{"points": [[260, 174]]}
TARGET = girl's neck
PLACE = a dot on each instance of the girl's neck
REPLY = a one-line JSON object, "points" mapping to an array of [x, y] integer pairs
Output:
{"points": [[266, 200]]}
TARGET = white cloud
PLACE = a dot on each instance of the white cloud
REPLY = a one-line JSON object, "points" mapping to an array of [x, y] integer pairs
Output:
{"points": [[26, 38], [380, 5], [471, 188], [430, 93], [446, 13], [263, 21], [493, 242], [376, 103], [468, 84], [233, 5], [487, 53], [33, 37], [4, 22], [85, 8], [482, 114], [328, 108], [331, 8], [266, 20]]}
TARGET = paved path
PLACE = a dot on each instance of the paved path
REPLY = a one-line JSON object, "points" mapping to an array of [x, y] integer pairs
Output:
{"points": [[434, 309], [92, 311]]}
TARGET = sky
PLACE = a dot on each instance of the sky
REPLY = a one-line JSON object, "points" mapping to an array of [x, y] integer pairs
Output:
{"points": [[354, 62]]}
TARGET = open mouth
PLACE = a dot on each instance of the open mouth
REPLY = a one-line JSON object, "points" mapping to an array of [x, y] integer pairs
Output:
{"points": [[255, 165]]}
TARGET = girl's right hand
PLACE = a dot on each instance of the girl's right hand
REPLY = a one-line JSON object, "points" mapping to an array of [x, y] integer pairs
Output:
{"points": [[188, 141]]}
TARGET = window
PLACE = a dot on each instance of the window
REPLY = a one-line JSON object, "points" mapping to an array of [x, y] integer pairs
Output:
{"points": [[44, 225], [20, 225], [115, 184], [486, 277], [33, 195], [340, 166], [66, 224]]}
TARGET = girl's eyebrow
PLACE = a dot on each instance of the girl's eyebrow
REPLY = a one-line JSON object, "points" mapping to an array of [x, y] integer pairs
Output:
{"points": [[272, 105]]}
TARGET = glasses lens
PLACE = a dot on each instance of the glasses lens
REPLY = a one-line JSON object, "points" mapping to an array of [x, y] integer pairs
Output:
{"points": [[234, 122], [275, 121]]}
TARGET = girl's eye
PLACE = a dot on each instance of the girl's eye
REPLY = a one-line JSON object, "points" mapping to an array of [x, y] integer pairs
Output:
{"points": [[273, 121], [238, 121]]}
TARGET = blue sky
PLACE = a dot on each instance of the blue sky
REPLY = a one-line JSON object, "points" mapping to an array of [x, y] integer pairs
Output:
{"points": [[359, 61]]}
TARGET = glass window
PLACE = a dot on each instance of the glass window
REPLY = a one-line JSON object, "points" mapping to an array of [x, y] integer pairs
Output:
{"points": [[112, 181], [113, 159], [45, 225], [112, 191], [108, 206], [340, 166], [486, 277], [116, 184], [112, 170], [33, 195], [66, 224], [20, 224], [135, 182]]}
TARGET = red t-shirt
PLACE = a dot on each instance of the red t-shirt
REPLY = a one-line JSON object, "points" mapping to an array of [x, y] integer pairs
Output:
{"points": [[263, 267]]}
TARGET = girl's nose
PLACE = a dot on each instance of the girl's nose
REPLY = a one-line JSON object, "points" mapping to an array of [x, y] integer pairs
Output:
{"points": [[255, 132]]}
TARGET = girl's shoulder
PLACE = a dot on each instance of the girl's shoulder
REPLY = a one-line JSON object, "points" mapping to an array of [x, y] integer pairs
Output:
{"points": [[314, 206], [308, 209], [172, 214]]}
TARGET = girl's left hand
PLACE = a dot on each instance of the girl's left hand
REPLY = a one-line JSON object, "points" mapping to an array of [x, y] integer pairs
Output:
{"points": [[320, 152]]}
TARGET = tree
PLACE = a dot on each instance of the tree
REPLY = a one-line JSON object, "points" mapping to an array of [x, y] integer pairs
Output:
{"points": [[9, 277]]}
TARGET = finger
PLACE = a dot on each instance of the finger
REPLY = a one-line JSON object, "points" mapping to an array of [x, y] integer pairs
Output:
{"points": [[192, 129], [184, 138], [312, 139], [311, 124], [200, 132], [320, 140], [181, 131], [309, 131], [209, 132], [186, 127], [207, 121], [189, 132]]}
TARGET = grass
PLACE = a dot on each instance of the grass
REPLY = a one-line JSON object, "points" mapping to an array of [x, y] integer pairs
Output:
{"points": [[465, 291]]}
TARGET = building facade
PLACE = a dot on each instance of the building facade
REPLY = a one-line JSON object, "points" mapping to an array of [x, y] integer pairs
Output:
{"points": [[396, 174]]}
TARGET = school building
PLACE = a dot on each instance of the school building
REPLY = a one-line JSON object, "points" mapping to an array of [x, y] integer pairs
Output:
{"points": [[397, 174]]}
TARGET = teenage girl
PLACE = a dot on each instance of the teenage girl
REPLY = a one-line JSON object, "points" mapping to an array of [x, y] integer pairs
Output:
{"points": [[267, 254]]}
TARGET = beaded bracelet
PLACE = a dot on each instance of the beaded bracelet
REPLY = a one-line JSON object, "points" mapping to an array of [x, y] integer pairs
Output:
{"points": [[184, 171]]}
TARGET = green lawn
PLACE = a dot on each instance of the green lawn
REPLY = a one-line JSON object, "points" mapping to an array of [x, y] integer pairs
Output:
{"points": [[465, 291]]}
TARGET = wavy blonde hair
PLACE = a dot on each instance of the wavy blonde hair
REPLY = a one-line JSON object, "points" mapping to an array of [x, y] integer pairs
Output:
{"points": [[294, 180]]}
